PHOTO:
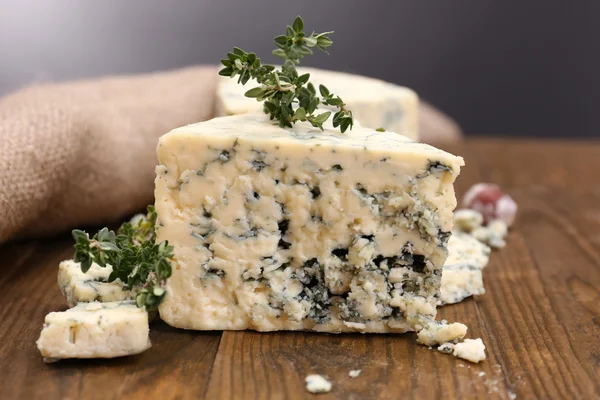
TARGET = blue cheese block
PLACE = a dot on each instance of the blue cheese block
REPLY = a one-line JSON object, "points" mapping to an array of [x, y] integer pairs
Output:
{"points": [[78, 286], [301, 229], [375, 103], [95, 330]]}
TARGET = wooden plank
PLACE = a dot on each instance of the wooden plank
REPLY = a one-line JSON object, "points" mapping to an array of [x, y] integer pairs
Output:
{"points": [[176, 356]]}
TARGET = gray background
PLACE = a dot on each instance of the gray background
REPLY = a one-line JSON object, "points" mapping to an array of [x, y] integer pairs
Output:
{"points": [[527, 68]]}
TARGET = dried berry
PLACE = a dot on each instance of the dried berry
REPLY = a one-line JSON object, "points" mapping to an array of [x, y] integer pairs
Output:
{"points": [[493, 204]]}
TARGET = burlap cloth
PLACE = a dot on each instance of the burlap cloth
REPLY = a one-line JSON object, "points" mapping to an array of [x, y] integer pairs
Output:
{"points": [[83, 153]]}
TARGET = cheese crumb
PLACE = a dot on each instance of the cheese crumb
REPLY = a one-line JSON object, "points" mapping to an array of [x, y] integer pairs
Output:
{"points": [[317, 384], [354, 373], [471, 350], [467, 220], [446, 348], [435, 332]]}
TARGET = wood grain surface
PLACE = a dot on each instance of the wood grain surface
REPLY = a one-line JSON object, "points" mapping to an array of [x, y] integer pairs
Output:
{"points": [[540, 317]]}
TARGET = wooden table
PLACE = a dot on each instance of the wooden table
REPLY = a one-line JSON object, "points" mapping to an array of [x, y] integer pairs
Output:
{"points": [[540, 317]]}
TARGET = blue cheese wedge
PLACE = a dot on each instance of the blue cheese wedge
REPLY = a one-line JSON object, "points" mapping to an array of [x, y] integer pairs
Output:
{"points": [[95, 330], [78, 286], [462, 273], [298, 229], [375, 103]]}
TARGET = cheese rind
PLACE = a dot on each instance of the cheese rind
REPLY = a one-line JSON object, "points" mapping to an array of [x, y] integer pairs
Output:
{"points": [[300, 229], [78, 286], [95, 330], [375, 103]]}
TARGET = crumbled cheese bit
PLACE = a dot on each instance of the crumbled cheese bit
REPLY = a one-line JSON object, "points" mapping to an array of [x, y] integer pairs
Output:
{"points": [[498, 228], [446, 348], [471, 350], [317, 384], [354, 373], [459, 282], [493, 235], [463, 248], [467, 220], [436, 332]]}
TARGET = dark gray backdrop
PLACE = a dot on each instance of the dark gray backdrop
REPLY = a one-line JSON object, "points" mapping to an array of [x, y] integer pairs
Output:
{"points": [[528, 67]]}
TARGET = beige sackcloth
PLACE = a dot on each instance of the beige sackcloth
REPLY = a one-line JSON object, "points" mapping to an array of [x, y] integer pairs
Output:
{"points": [[82, 154]]}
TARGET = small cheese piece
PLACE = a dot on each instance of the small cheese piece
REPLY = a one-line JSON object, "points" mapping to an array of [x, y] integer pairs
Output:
{"points": [[95, 330], [375, 103], [465, 249], [436, 332], [471, 350], [494, 234], [462, 275], [354, 373], [446, 348], [459, 282], [317, 384], [298, 229], [467, 220], [93, 285]]}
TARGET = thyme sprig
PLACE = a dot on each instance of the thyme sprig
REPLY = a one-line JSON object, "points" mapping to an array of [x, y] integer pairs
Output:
{"points": [[289, 97], [136, 259]]}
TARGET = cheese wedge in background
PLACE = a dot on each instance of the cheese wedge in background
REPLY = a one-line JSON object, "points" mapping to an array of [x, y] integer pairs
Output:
{"points": [[375, 103], [298, 229]]}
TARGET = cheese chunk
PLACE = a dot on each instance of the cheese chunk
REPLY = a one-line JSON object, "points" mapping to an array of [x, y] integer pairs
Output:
{"points": [[459, 282], [434, 332], [375, 103], [317, 384], [95, 330], [462, 273], [494, 234], [471, 350], [465, 249], [301, 229], [78, 286]]}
